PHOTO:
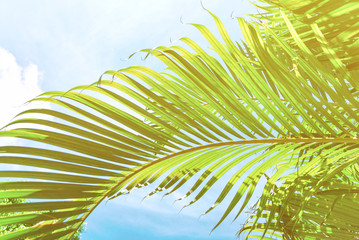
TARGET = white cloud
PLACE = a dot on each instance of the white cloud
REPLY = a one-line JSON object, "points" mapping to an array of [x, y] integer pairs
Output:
{"points": [[18, 85]]}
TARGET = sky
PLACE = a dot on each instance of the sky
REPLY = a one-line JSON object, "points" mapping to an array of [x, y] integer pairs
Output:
{"points": [[56, 45]]}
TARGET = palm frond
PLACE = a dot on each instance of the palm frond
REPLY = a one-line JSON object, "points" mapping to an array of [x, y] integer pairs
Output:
{"points": [[288, 92]]}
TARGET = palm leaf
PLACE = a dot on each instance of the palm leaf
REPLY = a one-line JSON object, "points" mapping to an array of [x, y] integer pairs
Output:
{"points": [[287, 92]]}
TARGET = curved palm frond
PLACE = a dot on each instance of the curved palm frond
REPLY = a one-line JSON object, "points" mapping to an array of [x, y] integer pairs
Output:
{"points": [[288, 92]]}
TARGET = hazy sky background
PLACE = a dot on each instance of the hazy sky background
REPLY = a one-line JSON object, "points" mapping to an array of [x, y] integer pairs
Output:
{"points": [[56, 45]]}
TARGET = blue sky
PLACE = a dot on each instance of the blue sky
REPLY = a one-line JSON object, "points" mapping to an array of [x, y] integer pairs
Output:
{"points": [[56, 45]]}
